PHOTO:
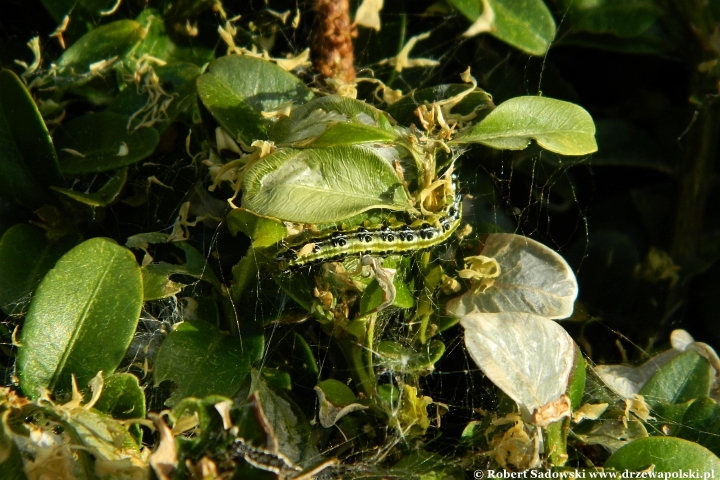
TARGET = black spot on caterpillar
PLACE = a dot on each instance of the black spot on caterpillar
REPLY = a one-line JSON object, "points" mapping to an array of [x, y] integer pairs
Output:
{"points": [[380, 240]]}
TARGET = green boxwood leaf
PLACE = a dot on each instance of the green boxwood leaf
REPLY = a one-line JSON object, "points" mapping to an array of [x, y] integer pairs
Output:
{"points": [[236, 88], [576, 385], [230, 110], [89, 330], [525, 24], [26, 255], [666, 454], [558, 126], [687, 376], [701, 424], [262, 231], [322, 185], [201, 360], [333, 121], [618, 17], [122, 397], [337, 392], [28, 163], [98, 142], [262, 84], [104, 196], [103, 43]]}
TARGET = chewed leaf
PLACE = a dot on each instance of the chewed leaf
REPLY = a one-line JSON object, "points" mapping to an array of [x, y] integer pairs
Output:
{"points": [[104, 43], [558, 126], [533, 279], [201, 361], [323, 185], [528, 357], [333, 121]]}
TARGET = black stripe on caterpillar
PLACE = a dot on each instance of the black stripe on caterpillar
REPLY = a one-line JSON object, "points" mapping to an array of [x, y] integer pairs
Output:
{"points": [[381, 240]]}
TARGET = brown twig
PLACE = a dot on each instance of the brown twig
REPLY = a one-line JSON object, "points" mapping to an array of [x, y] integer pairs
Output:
{"points": [[332, 42]]}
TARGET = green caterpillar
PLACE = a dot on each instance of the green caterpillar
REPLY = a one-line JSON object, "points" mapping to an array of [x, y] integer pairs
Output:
{"points": [[380, 240]]}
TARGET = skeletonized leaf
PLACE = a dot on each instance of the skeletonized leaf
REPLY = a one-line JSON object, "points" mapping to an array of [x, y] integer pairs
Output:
{"points": [[558, 126], [323, 185], [528, 357], [533, 279]]}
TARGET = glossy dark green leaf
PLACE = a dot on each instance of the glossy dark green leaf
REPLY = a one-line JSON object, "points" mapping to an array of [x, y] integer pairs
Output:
{"points": [[525, 24], [322, 185], [104, 43], [26, 255], [103, 196], [618, 17], [701, 424], [333, 121], [665, 454], [201, 360], [683, 378], [28, 163], [558, 126], [337, 392], [262, 231], [576, 385], [122, 397], [89, 331], [98, 142], [231, 110], [262, 84]]}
